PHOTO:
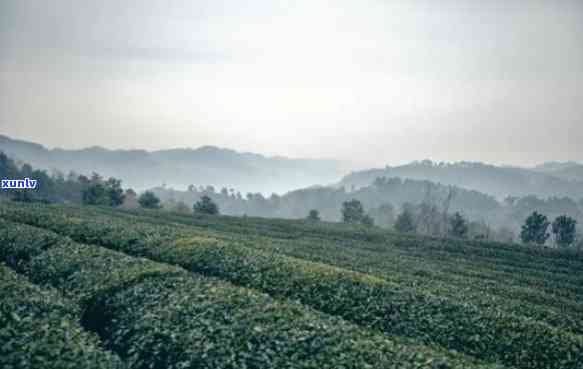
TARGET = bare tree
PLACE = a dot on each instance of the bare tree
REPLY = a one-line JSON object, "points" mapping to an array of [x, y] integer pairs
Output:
{"points": [[428, 218], [451, 193]]}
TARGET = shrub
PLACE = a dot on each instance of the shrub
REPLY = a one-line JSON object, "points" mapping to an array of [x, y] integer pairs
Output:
{"points": [[39, 329], [87, 274], [173, 319], [19, 245], [366, 300]]}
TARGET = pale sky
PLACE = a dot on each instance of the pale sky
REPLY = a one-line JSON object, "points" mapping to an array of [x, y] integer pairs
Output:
{"points": [[374, 82]]}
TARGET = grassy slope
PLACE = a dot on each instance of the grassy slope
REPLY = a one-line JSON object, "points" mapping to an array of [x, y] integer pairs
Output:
{"points": [[333, 243], [40, 329], [489, 274], [538, 284], [154, 315]]}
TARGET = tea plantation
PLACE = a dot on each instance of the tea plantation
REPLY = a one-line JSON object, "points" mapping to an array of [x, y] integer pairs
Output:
{"points": [[99, 287]]}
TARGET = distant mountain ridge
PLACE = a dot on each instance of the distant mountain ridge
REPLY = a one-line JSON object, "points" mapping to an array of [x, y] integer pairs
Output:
{"points": [[250, 172], [207, 165], [570, 170], [546, 180]]}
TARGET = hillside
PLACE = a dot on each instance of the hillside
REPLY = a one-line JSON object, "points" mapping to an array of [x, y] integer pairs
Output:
{"points": [[328, 199], [571, 171], [156, 289], [179, 168], [383, 200], [493, 180]]}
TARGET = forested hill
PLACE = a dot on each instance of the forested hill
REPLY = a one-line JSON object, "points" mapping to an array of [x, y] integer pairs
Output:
{"points": [[328, 200], [382, 200], [179, 168], [543, 181]]}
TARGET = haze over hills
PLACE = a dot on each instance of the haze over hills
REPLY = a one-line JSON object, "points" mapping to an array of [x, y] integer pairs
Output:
{"points": [[250, 172], [178, 168], [546, 180], [568, 170]]}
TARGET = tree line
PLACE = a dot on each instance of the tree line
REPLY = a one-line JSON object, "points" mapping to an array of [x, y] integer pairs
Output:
{"points": [[80, 189], [536, 230], [430, 217], [487, 218]]}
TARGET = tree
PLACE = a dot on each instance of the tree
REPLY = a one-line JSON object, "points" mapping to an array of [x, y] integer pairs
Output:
{"points": [[206, 206], [313, 215], [535, 228], [458, 227], [564, 230], [352, 211], [130, 199], [95, 194], [429, 219], [405, 222], [578, 244], [23, 196], [114, 191], [446, 204], [384, 215], [367, 220], [148, 200], [96, 178], [98, 192], [8, 169]]}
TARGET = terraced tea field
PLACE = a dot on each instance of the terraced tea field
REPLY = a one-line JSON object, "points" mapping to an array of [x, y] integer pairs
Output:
{"points": [[98, 287]]}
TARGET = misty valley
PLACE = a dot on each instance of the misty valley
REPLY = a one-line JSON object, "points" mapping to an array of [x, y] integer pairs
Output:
{"points": [[494, 201]]}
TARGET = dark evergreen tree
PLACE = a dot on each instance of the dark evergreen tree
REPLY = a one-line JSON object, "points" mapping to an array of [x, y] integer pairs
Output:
{"points": [[535, 228], [564, 230], [206, 205], [114, 191], [313, 215], [352, 211], [458, 226]]}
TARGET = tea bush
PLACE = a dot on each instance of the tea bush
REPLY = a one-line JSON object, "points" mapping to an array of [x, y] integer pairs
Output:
{"points": [[40, 329], [158, 316], [366, 300]]}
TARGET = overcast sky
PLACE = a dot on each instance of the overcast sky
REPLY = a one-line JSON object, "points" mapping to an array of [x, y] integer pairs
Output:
{"points": [[376, 82]]}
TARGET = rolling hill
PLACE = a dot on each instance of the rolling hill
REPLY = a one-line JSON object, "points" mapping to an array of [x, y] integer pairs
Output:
{"points": [[148, 289], [498, 181], [179, 168], [571, 171]]}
